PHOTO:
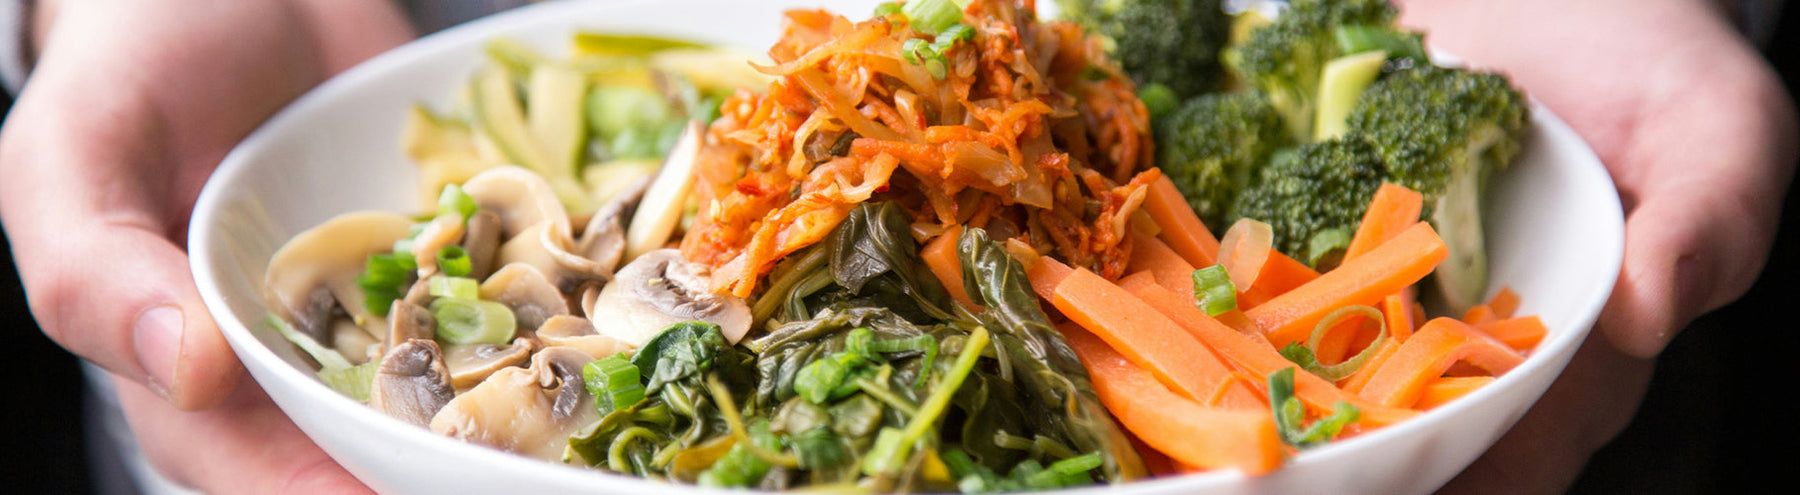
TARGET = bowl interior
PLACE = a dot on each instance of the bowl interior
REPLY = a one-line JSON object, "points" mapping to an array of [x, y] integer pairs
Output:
{"points": [[1555, 235]]}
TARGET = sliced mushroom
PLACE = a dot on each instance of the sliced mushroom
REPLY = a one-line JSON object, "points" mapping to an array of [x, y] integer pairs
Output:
{"points": [[527, 292], [412, 383], [529, 411], [410, 321], [440, 232], [549, 249], [317, 269], [520, 197], [603, 240], [579, 333], [482, 242], [470, 364], [660, 289], [351, 341]]}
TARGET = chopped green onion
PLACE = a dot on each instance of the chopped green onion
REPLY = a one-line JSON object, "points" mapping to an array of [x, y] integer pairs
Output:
{"points": [[823, 380], [453, 201], [933, 16], [917, 50], [472, 321], [1305, 357], [614, 382], [1326, 248], [1214, 291], [915, 343], [454, 261], [1290, 414], [956, 32], [454, 287], [353, 382], [887, 9], [383, 280]]}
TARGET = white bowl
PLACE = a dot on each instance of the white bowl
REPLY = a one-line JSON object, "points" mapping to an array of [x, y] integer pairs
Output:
{"points": [[1556, 238]]}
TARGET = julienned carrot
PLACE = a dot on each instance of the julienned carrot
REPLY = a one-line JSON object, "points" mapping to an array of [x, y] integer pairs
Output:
{"points": [[1355, 383], [1442, 342], [1152, 340], [1522, 333], [1256, 357], [1279, 274], [1505, 303], [1480, 314], [1397, 308], [1442, 390], [1151, 255], [1393, 209], [941, 256], [1396, 264], [1045, 275], [1177, 426], [1181, 228]]}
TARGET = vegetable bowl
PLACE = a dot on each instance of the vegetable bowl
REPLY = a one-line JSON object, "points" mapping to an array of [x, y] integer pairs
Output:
{"points": [[1554, 233]]}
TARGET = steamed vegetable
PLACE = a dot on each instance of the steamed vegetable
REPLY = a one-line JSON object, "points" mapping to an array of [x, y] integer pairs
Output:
{"points": [[1170, 43]]}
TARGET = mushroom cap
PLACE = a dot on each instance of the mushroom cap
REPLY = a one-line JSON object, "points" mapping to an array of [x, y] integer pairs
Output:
{"points": [[525, 290], [520, 197], [470, 364], [319, 266], [411, 383], [579, 333], [660, 289], [530, 411]]}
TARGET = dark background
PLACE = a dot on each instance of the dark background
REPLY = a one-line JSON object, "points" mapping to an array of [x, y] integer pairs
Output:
{"points": [[1714, 420]]}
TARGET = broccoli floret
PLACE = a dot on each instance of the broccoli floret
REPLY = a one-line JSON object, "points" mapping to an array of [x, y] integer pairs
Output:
{"points": [[1212, 145], [1286, 57], [1174, 43], [1313, 196], [1444, 132]]}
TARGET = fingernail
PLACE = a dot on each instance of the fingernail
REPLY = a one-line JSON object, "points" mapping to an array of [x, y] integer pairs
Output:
{"points": [[157, 337]]}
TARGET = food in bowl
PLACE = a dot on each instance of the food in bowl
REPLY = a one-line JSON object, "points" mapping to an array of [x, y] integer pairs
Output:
{"points": [[925, 251]]}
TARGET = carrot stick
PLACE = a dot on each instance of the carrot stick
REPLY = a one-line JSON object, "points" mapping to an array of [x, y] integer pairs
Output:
{"points": [[1177, 426], [1255, 356], [1480, 314], [941, 256], [1279, 274], [1442, 342], [1151, 340], [1181, 228], [1396, 264], [1148, 254], [1045, 275], [1505, 303], [1521, 333], [1439, 391], [1360, 379], [1398, 310], [1393, 209]]}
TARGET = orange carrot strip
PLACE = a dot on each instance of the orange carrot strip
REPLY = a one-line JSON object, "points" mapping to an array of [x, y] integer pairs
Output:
{"points": [[1151, 340], [1256, 357], [1279, 274], [1480, 314], [1522, 333], [941, 256], [1505, 303], [1439, 391], [1398, 263], [1181, 228], [1393, 209], [1442, 342], [1045, 275], [1398, 309], [1148, 254], [1186, 431], [1355, 383]]}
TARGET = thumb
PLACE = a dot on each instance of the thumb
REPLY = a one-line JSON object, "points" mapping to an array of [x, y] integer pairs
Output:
{"points": [[122, 297]]}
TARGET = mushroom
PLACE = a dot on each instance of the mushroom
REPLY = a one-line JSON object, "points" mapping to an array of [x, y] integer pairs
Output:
{"points": [[578, 332], [410, 321], [549, 249], [317, 269], [525, 290], [442, 231], [603, 240], [660, 289], [530, 411], [520, 197], [470, 364], [411, 383], [482, 242]]}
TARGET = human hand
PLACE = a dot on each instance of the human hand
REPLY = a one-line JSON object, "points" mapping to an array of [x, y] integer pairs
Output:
{"points": [[130, 107], [1700, 139]]}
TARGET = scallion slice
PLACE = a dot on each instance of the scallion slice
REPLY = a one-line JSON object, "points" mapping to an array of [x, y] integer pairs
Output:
{"points": [[615, 383], [383, 280], [454, 261], [454, 287], [1290, 414], [454, 201], [472, 321], [933, 16], [1215, 293], [353, 382]]}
